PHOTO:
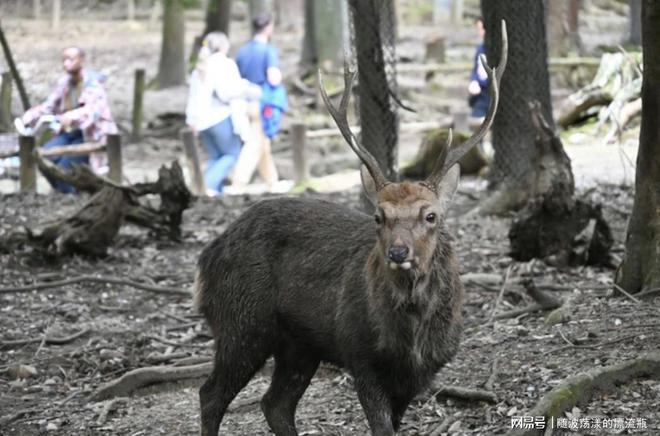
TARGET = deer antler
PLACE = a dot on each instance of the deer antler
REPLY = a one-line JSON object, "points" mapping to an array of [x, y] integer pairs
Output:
{"points": [[341, 119], [450, 156]]}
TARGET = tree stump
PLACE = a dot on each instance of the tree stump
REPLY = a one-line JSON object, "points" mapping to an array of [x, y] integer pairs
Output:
{"points": [[553, 225], [90, 231]]}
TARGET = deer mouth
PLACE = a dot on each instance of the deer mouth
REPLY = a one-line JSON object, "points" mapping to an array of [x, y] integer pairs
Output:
{"points": [[404, 266]]}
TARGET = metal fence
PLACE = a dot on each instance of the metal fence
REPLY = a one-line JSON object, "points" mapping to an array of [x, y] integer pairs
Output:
{"points": [[373, 34]]}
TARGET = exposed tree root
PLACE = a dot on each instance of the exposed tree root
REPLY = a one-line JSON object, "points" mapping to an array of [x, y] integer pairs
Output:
{"points": [[580, 388], [465, 394], [141, 377], [94, 279], [109, 407], [47, 340]]}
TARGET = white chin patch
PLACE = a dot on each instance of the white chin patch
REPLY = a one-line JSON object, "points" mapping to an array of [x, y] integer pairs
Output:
{"points": [[405, 265]]}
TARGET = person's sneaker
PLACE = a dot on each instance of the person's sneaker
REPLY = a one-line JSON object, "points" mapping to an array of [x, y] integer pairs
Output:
{"points": [[21, 129], [281, 186]]}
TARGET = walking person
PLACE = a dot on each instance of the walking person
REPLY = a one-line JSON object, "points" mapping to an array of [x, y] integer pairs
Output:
{"points": [[258, 62], [478, 86], [216, 109]]}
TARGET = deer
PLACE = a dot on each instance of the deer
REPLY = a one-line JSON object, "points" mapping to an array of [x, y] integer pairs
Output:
{"points": [[307, 281]]}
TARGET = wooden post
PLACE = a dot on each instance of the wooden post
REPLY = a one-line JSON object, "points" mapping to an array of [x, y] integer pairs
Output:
{"points": [[300, 167], [192, 160], [28, 169], [57, 9], [113, 148], [138, 96], [5, 102], [36, 9]]}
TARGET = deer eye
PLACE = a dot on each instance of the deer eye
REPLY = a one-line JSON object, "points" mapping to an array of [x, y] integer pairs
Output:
{"points": [[378, 219], [431, 218]]}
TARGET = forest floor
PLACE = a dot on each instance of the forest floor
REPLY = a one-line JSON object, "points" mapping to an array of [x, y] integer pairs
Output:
{"points": [[126, 328]]}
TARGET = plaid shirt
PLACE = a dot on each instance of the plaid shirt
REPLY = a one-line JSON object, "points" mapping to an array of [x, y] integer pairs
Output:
{"points": [[87, 104]]}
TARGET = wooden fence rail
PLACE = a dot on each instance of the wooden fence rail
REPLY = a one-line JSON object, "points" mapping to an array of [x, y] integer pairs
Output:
{"points": [[27, 153]]}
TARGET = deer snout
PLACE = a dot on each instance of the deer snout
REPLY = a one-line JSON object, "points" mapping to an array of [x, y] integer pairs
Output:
{"points": [[398, 253]]}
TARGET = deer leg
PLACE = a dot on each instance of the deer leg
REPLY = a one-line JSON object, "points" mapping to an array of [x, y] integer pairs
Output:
{"points": [[376, 404], [399, 406], [234, 366], [293, 372]]}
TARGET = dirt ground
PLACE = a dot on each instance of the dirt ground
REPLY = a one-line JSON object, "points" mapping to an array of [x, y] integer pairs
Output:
{"points": [[519, 359], [126, 328]]}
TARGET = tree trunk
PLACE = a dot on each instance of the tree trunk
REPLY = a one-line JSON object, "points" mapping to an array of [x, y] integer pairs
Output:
{"points": [[14, 70], [308, 58], [259, 6], [374, 24], [557, 30], [641, 266], [526, 80], [573, 23], [172, 65], [283, 16], [90, 231], [218, 16], [325, 34], [553, 225], [36, 9], [130, 10], [636, 22], [56, 14]]}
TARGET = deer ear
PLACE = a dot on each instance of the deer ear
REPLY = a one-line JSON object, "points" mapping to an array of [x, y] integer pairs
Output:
{"points": [[369, 185], [448, 186]]}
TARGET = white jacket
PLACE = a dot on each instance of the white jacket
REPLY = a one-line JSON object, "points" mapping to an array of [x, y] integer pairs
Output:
{"points": [[222, 93]]}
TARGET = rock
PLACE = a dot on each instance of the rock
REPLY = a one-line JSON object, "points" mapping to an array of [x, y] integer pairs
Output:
{"points": [[22, 371], [106, 354], [558, 316]]}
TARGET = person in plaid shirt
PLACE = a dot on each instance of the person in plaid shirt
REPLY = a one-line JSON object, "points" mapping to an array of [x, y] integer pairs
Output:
{"points": [[80, 105]]}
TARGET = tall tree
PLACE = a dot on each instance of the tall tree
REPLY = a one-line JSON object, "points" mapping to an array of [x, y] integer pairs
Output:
{"points": [[218, 14], [641, 267], [172, 65], [325, 33], [557, 28], [635, 18], [374, 24], [526, 80], [259, 6]]}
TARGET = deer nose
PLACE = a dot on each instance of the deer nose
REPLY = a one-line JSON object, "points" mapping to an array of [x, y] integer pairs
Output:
{"points": [[398, 253]]}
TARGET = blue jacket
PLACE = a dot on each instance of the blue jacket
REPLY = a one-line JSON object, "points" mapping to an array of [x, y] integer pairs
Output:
{"points": [[273, 105]]}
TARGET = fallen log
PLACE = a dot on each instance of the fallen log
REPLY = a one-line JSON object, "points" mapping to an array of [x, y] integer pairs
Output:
{"points": [[580, 388], [90, 231], [93, 228]]}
